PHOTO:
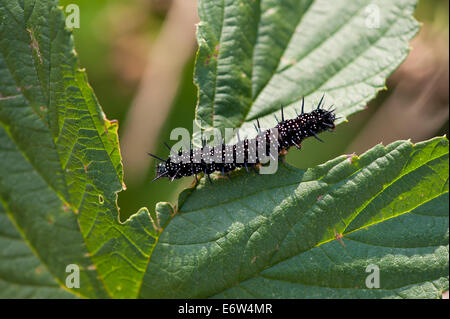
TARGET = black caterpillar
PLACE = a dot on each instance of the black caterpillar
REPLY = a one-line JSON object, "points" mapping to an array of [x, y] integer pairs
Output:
{"points": [[290, 133]]}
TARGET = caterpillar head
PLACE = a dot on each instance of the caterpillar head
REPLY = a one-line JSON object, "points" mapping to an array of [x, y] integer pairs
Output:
{"points": [[326, 118], [161, 170]]}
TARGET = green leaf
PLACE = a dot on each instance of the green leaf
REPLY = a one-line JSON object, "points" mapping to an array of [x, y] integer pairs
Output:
{"points": [[274, 236], [255, 56], [22, 274], [60, 166], [267, 236]]}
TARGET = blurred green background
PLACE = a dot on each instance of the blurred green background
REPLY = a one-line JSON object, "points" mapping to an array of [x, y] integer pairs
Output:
{"points": [[116, 39]]}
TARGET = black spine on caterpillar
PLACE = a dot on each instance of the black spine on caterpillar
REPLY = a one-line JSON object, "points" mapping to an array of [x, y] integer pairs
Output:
{"points": [[245, 153]]}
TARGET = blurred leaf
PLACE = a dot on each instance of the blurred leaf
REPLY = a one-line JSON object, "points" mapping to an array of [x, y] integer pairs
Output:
{"points": [[257, 55], [273, 236]]}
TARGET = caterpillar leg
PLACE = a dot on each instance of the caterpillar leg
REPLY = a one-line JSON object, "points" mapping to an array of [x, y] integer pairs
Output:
{"points": [[225, 174], [282, 156], [194, 181]]}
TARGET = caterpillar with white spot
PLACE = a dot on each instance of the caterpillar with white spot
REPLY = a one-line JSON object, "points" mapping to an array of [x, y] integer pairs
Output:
{"points": [[247, 153]]}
